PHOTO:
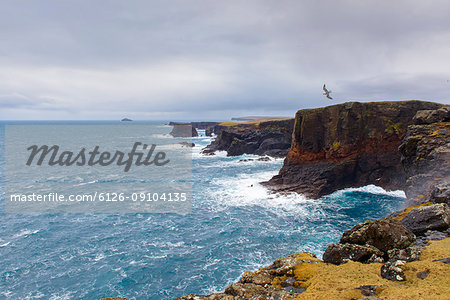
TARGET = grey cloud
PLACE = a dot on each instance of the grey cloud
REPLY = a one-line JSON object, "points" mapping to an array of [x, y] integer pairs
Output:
{"points": [[210, 59]]}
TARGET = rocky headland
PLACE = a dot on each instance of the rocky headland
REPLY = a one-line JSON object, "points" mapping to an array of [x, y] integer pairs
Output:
{"points": [[271, 137], [183, 130], [397, 145], [348, 145]]}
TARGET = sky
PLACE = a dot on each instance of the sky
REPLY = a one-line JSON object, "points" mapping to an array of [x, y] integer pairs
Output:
{"points": [[213, 60]]}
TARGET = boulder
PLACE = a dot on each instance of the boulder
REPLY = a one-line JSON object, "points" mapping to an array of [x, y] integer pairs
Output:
{"points": [[340, 253], [424, 218], [392, 270], [411, 253], [384, 234]]}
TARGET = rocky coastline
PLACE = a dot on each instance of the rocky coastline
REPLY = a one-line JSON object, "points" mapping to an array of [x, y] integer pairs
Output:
{"points": [[397, 145], [260, 137]]}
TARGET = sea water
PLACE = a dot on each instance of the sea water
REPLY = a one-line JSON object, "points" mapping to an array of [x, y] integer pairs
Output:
{"points": [[236, 225]]}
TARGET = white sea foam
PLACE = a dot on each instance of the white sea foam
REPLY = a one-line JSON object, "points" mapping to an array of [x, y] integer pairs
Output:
{"points": [[25, 232], [162, 136], [4, 245], [99, 257], [245, 190], [373, 189]]}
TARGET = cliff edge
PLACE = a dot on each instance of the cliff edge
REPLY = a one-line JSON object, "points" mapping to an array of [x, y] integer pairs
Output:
{"points": [[347, 145]]}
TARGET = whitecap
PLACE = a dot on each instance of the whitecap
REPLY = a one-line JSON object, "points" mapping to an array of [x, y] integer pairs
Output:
{"points": [[25, 232], [4, 245], [371, 189]]}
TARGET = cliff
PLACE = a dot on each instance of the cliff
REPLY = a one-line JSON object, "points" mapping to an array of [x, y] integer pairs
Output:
{"points": [[261, 137], [347, 145], [183, 130], [402, 256], [426, 156]]}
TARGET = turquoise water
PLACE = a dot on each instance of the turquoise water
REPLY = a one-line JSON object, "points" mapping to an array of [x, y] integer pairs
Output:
{"points": [[235, 225]]}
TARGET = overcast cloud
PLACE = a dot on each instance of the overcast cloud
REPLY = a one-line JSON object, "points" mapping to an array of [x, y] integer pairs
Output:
{"points": [[210, 60]]}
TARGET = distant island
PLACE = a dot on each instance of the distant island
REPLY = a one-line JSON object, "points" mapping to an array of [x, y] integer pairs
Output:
{"points": [[126, 120]]}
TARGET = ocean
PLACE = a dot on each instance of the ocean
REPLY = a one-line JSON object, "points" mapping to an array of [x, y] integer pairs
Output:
{"points": [[235, 225]]}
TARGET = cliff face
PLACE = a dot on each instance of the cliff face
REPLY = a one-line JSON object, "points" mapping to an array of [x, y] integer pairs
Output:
{"points": [[272, 137], [426, 156], [347, 145], [183, 130]]}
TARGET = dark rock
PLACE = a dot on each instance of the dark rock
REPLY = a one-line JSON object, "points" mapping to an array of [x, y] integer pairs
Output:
{"points": [[186, 144], [183, 130], [384, 234], [444, 260], [433, 235], [426, 160], [432, 116], [203, 125], [259, 278], [424, 218], [270, 137], [392, 270], [341, 253], [265, 158], [422, 275], [347, 145], [440, 193], [245, 290], [368, 290], [125, 120], [209, 131]]}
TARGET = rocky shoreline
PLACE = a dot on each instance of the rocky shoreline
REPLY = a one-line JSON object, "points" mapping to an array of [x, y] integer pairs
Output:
{"points": [[403, 256], [260, 137]]}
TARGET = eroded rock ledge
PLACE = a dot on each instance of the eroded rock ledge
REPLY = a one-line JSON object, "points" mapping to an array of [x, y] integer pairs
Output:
{"points": [[260, 137], [347, 145]]}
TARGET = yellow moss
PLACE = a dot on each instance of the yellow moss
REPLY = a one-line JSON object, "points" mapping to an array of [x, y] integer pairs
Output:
{"points": [[407, 210], [307, 255], [305, 272], [229, 123], [277, 281], [327, 281]]}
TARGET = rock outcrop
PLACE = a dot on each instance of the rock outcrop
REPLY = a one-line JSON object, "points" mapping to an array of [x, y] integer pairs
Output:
{"points": [[432, 217], [426, 156], [348, 145], [183, 130], [369, 242], [271, 137]]}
